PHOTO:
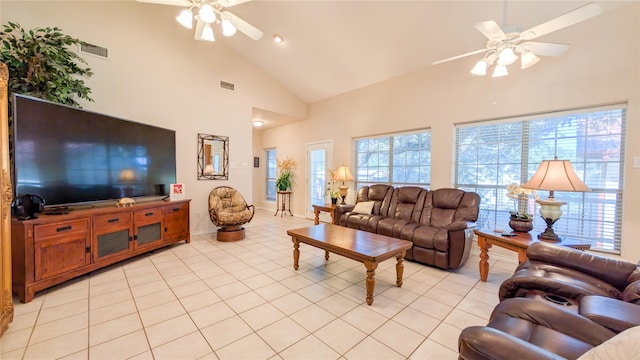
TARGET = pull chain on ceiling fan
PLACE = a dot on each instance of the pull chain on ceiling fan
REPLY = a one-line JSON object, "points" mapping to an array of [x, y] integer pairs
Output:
{"points": [[506, 42]]}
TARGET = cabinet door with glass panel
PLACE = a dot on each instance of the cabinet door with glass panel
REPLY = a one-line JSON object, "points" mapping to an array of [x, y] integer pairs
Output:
{"points": [[112, 235], [148, 228]]}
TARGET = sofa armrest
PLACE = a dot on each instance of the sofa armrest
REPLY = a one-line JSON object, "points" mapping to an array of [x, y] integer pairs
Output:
{"points": [[341, 210], [613, 271], [611, 313], [461, 225], [482, 342]]}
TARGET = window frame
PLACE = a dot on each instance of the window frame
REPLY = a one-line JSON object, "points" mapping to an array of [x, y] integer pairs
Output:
{"points": [[270, 163]]}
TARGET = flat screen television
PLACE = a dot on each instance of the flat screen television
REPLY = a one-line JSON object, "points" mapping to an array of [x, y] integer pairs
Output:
{"points": [[72, 156]]}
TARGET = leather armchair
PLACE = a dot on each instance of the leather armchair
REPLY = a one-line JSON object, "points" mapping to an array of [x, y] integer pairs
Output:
{"points": [[572, 274], [523, 328]]}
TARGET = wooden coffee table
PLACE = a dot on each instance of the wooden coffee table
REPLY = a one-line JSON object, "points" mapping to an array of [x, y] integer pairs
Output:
{"points": [[519, 243], [368, 248]]}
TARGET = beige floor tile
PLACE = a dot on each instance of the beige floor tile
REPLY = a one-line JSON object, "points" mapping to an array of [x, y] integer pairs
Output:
{"points": [[250, 347], [364, 319], [431, 307], [432, 350], [282, 334], [337, 304], [80, 355], [309, 348], [262, 316], [169, 330], [200, 300], [417, 321], [113, 329], [189, 289], [192, 346], [110, 312], [226, 332], [316, 292], [59, 346], [273, 291], [258, 281], [53, 298], [244, 302], [401, 338], [443, 296], [107, 287], [454, 287], [231, 290], [312, 317], [155, 299], [462, 319], [161, 313], [340, 335], [446, 335], [14, 340], [96, 302], [290, 303], [477, 308], [370, 348], [23, 321], [56, 328], [123, 347], [211, 314], [149, 288]]}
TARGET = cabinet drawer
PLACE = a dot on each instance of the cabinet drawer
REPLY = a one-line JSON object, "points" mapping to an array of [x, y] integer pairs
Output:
{"points": [[112, 221], [176, 208], [60, 228], [149, 215]]}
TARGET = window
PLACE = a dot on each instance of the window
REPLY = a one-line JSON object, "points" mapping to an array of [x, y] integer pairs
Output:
{"points": [[491, 155], [272, 173], [399, 159]]}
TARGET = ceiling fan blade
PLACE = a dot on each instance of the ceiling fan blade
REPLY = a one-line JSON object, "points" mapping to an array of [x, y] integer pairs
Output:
{"points": [[573, 17], [168, 2], [459, 56], [491, 30], [230, 3], [246, 28], [544, 49]]}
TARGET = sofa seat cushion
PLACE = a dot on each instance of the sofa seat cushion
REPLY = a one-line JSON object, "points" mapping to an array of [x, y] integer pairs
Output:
{"points": [[430, 237], [391, 227]]}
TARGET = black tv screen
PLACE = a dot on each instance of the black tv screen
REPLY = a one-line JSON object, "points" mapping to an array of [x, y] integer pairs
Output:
{"points": [[68, 155]]}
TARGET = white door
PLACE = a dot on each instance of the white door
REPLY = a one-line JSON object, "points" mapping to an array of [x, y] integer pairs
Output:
{"points": [[319, 160]]}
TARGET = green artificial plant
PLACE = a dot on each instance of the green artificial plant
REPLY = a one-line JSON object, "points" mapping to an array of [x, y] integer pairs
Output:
{"points": [[42, 64]]}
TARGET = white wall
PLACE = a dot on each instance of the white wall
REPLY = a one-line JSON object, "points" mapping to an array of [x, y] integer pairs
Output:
{"points": [[157, 74], [600, 67]]}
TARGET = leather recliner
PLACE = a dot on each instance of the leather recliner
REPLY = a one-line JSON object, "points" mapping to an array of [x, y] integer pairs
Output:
{"points": [[440, 222], [572, 274], [526, 328]]}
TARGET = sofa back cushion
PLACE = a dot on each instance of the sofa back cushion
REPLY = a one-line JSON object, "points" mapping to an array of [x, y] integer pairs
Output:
{"points": [[407, 203], [444, 206], [380, 194]]}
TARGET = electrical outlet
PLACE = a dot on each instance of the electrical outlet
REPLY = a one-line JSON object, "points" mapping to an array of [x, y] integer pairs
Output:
{"points": [[636, 162]]}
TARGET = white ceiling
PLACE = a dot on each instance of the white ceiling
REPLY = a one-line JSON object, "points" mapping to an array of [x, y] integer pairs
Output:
{"points": [[332, 47]]}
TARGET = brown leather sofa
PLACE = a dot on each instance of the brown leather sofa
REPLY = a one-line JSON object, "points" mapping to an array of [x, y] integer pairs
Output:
{"points": [[572, 274], [439, 222], [526, 328]]}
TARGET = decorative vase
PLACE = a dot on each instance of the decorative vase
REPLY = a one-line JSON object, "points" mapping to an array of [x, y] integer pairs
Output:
{"points": [[282, 188], [334, 201], [521, 225]]}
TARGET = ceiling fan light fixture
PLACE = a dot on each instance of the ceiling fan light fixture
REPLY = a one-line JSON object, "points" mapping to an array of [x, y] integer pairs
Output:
{"points": [[500, 70], [227, 28], [207, 14], [480, 69], [185, 18], [507, 57], [207, 33], [528, 59]]}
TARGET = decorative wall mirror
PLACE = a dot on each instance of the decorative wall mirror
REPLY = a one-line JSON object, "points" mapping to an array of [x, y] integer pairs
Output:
{"points": [[213, 157]]}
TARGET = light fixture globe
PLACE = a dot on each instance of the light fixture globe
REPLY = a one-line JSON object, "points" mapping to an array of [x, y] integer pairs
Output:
{"points": [[227, 28], [499, 71], [507, 57], [185, 18], [207, 33], [528, 59], [207, 14], [480, 69]]}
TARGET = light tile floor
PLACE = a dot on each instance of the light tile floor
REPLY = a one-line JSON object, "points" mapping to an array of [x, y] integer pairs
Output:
{"points": [[243, 300]]}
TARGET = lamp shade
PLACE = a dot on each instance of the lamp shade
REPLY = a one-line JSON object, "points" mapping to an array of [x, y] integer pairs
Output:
{"points": [[343, 174], [556, 175]]}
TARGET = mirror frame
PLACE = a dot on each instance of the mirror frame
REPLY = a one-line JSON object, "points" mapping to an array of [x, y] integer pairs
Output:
{"points": [[202, 139]]}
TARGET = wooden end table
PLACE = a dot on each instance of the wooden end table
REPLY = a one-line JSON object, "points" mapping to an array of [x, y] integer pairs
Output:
{"points": [[365, 247], [519, 243], [317, 209], [282, 203]]}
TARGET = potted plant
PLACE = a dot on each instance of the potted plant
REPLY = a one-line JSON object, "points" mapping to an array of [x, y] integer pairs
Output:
{"points": [[285, 179], [520, 220], [333, 192], [42, 64]]}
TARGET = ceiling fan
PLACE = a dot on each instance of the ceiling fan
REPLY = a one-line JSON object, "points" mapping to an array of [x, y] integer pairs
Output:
{"points": [[205, 13], [504, 43]]}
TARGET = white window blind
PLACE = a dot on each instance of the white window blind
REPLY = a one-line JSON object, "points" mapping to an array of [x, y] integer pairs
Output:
{"points": [[271, 173], [399, 159], [492, 155]]}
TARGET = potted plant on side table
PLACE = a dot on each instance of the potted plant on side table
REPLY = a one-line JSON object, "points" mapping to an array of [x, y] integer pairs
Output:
{"points": [[520, 220], [285, 180]]}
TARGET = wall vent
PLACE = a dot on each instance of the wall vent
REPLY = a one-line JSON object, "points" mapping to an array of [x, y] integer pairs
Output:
{"points": [[227, 85], [96, 50]]}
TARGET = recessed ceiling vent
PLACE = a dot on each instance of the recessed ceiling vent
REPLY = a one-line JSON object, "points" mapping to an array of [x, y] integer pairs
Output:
{"points": [[96, 50], [227, 85]]}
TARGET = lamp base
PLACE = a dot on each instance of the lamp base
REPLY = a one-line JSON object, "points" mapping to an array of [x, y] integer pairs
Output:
{"points": [[548, 233]]}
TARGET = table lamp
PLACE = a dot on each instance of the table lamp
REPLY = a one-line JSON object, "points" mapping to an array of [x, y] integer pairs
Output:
{"points": [[343, 174], [554, 175]]}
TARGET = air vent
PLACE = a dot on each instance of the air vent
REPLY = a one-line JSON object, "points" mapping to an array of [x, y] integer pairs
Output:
{"points": [[94, 50], [227, 85]]}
